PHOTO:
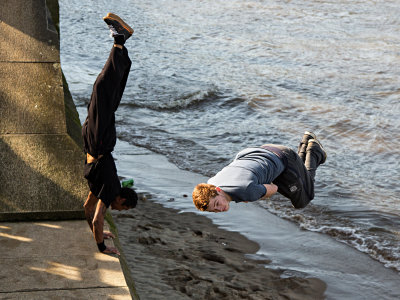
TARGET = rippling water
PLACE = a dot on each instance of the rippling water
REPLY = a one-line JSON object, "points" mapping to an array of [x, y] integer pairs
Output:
{"points": [[212, 77]]}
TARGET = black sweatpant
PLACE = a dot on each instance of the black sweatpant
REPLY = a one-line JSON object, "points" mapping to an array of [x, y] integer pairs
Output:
{"points": [[295, 182], [98, 131]]}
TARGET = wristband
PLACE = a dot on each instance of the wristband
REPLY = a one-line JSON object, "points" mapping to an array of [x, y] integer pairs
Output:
{"points": [[101, 246]]}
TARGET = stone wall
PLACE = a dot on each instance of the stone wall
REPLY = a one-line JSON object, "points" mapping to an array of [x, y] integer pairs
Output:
{"points": [[41, 156]]}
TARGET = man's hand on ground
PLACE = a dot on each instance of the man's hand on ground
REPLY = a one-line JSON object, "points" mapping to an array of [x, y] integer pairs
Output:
{"points": [[108, 235], [111, 250]]}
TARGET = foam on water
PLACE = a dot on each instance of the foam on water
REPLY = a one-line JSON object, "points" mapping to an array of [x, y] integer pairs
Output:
{"points": [[375, 234]]}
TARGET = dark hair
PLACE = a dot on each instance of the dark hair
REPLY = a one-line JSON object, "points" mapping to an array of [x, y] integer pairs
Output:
{"points": [[130, 197]]}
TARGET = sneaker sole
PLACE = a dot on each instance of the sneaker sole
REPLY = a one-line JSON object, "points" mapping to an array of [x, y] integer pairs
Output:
{"points": [[111, 16], [311, 134]]}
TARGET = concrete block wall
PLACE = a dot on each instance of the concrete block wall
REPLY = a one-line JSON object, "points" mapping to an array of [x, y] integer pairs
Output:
{"points": [[41, 158]]}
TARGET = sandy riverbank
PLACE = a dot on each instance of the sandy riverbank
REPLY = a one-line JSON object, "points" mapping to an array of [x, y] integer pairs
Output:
{"points": [[176, 255]]}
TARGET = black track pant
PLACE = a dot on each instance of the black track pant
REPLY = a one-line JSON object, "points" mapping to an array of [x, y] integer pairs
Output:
{"points": [[296, 182], [98, 130]]}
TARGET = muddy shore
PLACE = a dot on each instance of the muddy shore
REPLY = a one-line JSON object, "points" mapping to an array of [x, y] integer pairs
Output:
{"points": [[176, 255]]}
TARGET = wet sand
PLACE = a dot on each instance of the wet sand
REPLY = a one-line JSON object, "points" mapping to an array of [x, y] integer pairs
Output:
{"points": [[176, 255]]}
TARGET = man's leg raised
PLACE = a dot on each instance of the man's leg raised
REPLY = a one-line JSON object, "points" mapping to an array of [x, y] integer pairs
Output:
{"points": [[315, 156]]}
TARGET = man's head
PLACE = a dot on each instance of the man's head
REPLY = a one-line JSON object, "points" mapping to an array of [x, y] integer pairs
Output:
{"points": [[208, 197], [127, 199]]}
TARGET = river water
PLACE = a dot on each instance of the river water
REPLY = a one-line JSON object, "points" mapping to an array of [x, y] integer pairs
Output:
{"points": [[212, 77]]}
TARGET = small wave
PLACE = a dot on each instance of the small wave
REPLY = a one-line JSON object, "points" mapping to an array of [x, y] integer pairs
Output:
{"points": [[174, 148], [382, 250], [183, 101]]}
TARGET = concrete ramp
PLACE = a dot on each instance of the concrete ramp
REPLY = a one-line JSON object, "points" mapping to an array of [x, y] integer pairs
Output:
{"points": [[41, 156], [58, 260]]}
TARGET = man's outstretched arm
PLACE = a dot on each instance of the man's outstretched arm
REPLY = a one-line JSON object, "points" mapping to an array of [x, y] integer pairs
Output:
{"points": [[95, 212], [98, 225], [90, 208], [271, 189]]}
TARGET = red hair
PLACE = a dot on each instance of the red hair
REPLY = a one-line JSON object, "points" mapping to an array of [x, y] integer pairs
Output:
{"points": [[202, 194]]}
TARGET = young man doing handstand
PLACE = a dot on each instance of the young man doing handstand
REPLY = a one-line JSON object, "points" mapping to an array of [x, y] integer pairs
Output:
{"points": [[99, 136]]}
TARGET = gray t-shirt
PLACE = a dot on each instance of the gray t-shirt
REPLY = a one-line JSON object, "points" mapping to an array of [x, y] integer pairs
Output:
{"points": [[244, 177]]}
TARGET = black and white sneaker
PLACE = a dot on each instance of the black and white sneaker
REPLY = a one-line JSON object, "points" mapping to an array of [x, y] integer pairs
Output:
{"points": [[118, 26], [314, 143], [308, 135]]}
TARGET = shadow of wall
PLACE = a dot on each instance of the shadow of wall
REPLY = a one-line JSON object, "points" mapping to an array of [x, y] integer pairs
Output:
{"points": [[41, 158]]}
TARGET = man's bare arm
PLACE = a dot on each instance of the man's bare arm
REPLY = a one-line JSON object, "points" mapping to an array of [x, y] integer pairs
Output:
{"points": [[271, 189], [98, 226], [98, 221], [90, 208]]}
